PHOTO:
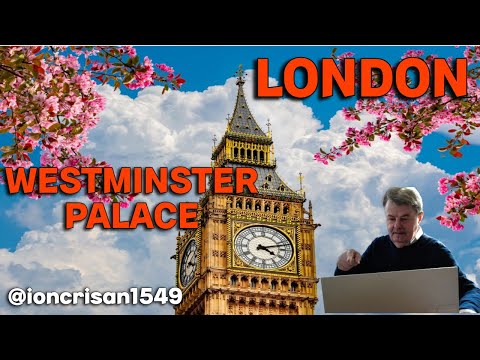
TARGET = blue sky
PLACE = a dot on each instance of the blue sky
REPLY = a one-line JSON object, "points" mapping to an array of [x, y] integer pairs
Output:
{"points": [[149, 129]]}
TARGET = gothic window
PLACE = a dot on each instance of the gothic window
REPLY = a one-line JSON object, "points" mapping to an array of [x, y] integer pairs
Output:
{"points": [[233, 280], [262, 156], [239, 204], [248, 204], [274, 284], [294, 286], [268, 177], [284, 285], [264, 283], [242, 153], [265, 186], [286, 209], [235, 152], [281, 187], [292, 309], [244, 281], [253, 283], [276, 208], [257, 205]]}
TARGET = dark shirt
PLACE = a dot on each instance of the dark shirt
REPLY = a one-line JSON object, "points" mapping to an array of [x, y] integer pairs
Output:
{"points": [[427, 252]]}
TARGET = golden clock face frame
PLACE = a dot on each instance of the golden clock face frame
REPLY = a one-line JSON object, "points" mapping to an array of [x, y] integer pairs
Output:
{"points": [[263, 247], [188, 265]]}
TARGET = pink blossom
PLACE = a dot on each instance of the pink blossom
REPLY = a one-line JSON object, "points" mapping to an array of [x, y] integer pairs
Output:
{"points": [[165, 67], [442, 186], [349, 114], [130, 50], [347, 54], [413, 53], [318, 157], [473, 183]]}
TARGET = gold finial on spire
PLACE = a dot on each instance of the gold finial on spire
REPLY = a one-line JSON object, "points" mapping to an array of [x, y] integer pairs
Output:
{"points": [[310, 210], [240, 75], [269, 133], [300, 177]]}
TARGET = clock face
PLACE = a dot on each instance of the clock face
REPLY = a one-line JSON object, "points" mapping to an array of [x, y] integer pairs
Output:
{"points": [[263, 247], [189, 263]]}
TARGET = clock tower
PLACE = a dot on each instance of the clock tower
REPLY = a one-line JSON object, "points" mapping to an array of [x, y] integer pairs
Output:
{"points": [[252, 253]]}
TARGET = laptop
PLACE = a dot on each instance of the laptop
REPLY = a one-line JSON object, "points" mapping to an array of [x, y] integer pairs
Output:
{"points": [[408, 291]]}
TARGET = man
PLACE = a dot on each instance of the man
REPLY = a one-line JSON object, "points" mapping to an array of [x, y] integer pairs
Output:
{"points": [[406, 247]]}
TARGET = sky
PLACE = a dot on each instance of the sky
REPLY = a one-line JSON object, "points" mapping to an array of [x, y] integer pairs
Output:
{"points": [[148, 128]]}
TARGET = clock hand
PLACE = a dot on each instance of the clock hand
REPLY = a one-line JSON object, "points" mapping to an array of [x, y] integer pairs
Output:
{"points": [[261, 247], [277, 245]]}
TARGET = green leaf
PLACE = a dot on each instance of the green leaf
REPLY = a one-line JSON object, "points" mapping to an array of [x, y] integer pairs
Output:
{"points": [[55, 127], [22, 128], [76, 130], [66, 88], [455, 153], [8, 153], [128, 78]]}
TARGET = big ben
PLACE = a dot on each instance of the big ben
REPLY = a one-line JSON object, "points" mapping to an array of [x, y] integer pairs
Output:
{"points": [[253, 253]]}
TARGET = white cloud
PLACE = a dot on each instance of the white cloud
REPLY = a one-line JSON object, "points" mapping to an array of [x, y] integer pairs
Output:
{"points": [[28, 213], [176, 128]]}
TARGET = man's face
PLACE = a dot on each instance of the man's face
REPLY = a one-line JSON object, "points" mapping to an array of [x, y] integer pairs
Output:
{"points": [[402, 223]]}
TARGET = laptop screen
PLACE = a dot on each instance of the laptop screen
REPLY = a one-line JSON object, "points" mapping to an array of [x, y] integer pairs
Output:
{"points": [[409, 291]]}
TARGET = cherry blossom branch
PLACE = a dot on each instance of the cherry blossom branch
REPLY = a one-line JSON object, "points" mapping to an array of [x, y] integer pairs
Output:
{"points": [[413, 119], [49, 102]]}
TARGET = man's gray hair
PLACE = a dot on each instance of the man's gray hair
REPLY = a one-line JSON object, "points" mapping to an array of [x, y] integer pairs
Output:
{"points": [[404, 196]]}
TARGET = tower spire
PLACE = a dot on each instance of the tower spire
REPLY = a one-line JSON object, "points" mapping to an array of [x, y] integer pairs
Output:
{"points": [[240, 76]]}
